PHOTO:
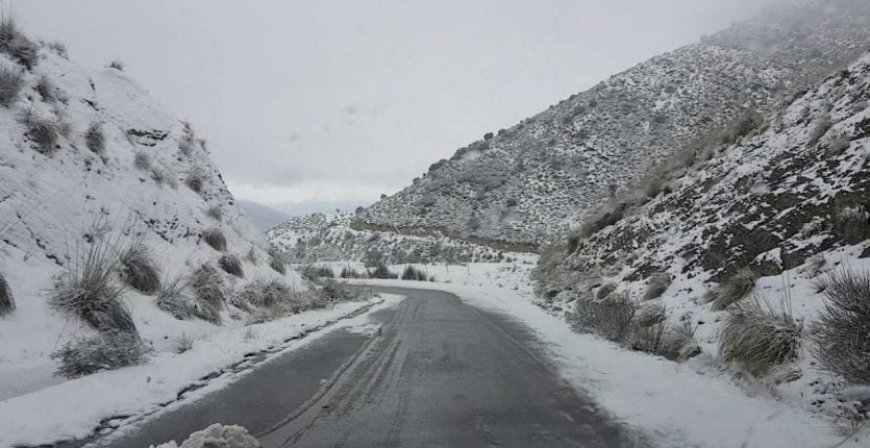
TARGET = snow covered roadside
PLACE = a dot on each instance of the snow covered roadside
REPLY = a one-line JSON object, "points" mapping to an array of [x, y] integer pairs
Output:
{"points": [[74, 408], [676, 404]]}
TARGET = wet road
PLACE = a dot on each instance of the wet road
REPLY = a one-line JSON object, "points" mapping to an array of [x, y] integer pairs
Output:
{"points": [[440, 374]]}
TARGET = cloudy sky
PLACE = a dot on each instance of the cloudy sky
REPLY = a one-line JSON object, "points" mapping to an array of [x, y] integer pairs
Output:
{"points": [[315, 104]]}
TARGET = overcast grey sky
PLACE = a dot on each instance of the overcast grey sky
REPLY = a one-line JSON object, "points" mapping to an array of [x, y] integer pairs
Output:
{"points": [[314, 103]]}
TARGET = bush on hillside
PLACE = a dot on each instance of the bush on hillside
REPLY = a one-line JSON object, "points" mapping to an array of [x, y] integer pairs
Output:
{"points": [[11, 83], [731, 290], [95, 140], [382, 271], [277, 265], [265, 293], [44, 132], [117, 65], [142, 161], [7, 302], [410, 273], [853, 224], [658, 284], [216, 213], [15, 44], [207, 286], [758, 337], [610, 318], [59, 48], [312, 272], [605, 290], [46, 89], [106, 351], [88, 290], [215, 238], [348, 272], [173, 299], [138, 270], [231, 265], [842, 333]]}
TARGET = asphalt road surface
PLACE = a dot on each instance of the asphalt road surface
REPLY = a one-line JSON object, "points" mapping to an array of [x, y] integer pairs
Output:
{"points": [[440, 374]]}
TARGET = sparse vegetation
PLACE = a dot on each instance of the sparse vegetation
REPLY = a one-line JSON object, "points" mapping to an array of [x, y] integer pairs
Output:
{"points": [[216, 213], [231, 265], [173, 299], [15, 44], [731, 290], [196, 178], [59, 48], [312, 272], [382, 271], [46, 89], [853, 224], [842, 333], [348, 272], [215, 238], [11, 83], [44, 132], [207, 287], [265, 293], [117, 65], [820, 128], [7, 301], [182, 344], [758, 337], [610, 318], [106, 351], [142, 161], [138, 270], [95, 140], [605, 290], [658, 284], [414, 274], [277, 264], [88, 290]]}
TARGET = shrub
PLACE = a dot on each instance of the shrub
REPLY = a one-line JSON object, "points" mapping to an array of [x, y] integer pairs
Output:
{"points": [[658, 284], [413, 274], [382, 271], [675, 344], [611, 318], [107, 351], [15, 44], [842, 333], [348, 272], [117, 65], [59, 48], [11, 83], [88, 290], [137, 269], [7, 302], [231, 265], [759, 338], [312, 272], [853, 223], [182, 344], [605, 290], [745, 124], [731, 290], [215, 238], [44, 132], [649, 314], [142, 161], [820, 128], [207, 287], [277, 264], [95, 140], [265, 294], [46, 89], [195, 179], [172, 298], [216, 213], [333, 291]]}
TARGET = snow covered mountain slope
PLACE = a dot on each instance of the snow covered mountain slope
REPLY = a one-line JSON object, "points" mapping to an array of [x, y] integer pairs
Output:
{"points": [[91, 164], [318, 237], [527, 182], [781, 215]]}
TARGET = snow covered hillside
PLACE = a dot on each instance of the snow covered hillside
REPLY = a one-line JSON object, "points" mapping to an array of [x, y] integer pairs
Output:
{"points": [[119, 241], [525, 183], [318, 237], [758, 254]]}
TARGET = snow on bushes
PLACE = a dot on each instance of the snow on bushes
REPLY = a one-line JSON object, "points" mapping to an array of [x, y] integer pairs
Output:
{"points": [[11, 83], [107, 351], [731, 290], [658, 284], [216, 239], [842, 332], [7, 302], [207, 287], [138, 270], [94, 139], [88, 290], [15, 44], [231, 265], [758, 337]]}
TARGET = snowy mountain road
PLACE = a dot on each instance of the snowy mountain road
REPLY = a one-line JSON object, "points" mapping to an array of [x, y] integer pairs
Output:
{"points": [[438, 373]]}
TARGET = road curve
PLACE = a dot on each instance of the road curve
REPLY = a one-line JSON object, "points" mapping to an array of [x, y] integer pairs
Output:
{"points": [[440, 374]]}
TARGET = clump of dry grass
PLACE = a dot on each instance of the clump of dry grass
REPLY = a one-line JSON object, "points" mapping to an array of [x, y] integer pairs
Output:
{"points": [[731, 290], [841, 339], [758, 337], [138, 270]]}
